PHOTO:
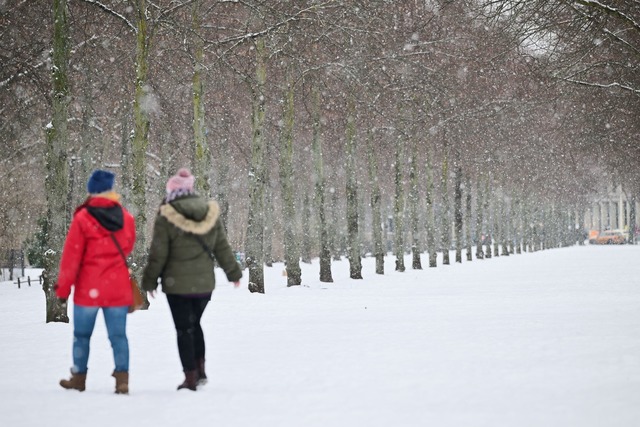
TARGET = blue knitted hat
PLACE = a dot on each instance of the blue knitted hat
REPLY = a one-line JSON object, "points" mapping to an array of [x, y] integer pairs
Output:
{"points": [[100, 181]]}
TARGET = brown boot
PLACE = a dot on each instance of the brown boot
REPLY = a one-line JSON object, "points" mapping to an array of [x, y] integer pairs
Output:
{"points": [[202, 377], [76, 382], [122, 382], [190, 380]]}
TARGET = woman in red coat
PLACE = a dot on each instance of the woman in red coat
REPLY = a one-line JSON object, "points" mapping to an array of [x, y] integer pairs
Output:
{"points": [[101, 234]]}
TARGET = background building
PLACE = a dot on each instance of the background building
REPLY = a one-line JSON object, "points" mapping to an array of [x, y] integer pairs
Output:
{"points": [[613, 211]]}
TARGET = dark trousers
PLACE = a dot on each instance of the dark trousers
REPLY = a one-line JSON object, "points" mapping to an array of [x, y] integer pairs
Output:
{"points": [[187, 312]]}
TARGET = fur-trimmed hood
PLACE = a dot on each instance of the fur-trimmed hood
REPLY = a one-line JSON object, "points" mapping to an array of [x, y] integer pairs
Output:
{"points": [[188, 222], [183, 263]]}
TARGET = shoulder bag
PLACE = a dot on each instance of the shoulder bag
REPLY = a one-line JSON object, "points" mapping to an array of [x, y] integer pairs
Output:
{"points": [[138, 299]]}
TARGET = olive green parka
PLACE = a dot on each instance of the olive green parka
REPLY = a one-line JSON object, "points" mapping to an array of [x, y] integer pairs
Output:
{"points": [[178, 258]]}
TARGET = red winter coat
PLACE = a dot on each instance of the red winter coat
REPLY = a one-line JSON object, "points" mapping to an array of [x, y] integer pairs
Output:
{"points": [[90, 259]]}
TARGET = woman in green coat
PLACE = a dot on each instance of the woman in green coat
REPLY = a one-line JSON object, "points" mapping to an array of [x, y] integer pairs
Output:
{"points": [[187, 236]]}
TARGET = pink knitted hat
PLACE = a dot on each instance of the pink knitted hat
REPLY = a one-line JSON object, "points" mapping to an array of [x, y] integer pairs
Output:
{"points": [[183, 180]]}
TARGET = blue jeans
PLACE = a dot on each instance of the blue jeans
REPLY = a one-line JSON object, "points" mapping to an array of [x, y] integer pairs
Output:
{"points": [[84, 319]]}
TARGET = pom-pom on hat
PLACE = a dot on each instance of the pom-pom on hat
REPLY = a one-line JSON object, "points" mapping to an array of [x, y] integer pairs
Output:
{"points": [[100, 181], [183, 180]]}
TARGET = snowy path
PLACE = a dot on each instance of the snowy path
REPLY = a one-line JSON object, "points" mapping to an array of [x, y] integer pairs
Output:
{"points": [[544, 339]]}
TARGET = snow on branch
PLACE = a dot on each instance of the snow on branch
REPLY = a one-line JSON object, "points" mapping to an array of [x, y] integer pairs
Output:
{"points": [[112, 12], [610, 11], [621, 40], [603, 85], [11, 78], [174, 8], [272, 28]]}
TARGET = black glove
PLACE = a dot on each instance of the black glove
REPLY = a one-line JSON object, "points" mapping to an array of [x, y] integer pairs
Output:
{"points": [[62, 301]]}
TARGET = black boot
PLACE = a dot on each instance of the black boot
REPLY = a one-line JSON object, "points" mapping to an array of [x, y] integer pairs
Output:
{"points": [[202, 377], [190, 380]]}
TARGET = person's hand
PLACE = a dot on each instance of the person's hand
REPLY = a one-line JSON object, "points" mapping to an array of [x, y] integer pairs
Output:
{"points": [[152, 294], [236, 284], [62, 301]]}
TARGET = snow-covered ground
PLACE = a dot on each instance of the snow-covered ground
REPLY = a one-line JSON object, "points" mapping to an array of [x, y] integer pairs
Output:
{"points": [[550, 338]]}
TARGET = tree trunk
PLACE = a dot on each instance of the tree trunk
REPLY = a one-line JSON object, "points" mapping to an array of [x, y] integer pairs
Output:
{"points": [[518, 227], [632, 221], [255, 222], [268, 231], [125, 151], [446, 227], [505, 236], [91, 151], [577, 227], [524, 226], [306, 228], [468, 212], [538, 233], [489, 228], [292, 253], [353, 246], [335, 235], [533, 235], [325, 244], [398, 206], [457, 209], [140, 134], [497, 226], [57, 184], [544, 232], [378, 245], [479, 220], [431, 237], [268, 213], [361, 219], [201, 158], [416, 264], [223, 179]]}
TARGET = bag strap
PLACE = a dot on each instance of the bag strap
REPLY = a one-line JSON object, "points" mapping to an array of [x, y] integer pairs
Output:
{"points": [[204, 245], [124, 258]]}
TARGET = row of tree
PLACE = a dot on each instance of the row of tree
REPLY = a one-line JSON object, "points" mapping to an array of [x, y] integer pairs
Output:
{"points": [[313, 122]]}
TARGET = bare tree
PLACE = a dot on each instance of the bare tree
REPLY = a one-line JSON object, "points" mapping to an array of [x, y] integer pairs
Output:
{"points": [[467, 219], [398, 203], [255, 223], [457, 207], [376, 217], [201, 157], [430, 219], [57, 184], [353, 250], [325, 252], [413, 207], [291, 238]]}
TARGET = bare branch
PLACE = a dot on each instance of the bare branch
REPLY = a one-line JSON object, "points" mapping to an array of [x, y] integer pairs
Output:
{"points": [[9, 79], [610, 11], [112, 12], [602, 85]]}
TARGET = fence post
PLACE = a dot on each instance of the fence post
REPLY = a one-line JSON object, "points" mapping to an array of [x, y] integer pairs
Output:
{"points": [[29, 281], [18, 283]]}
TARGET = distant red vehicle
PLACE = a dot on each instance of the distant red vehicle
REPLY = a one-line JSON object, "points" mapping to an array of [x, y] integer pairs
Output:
{"points": [[610, 237]]}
